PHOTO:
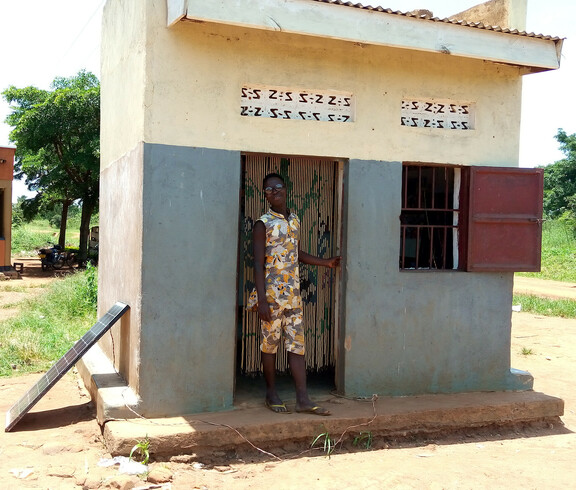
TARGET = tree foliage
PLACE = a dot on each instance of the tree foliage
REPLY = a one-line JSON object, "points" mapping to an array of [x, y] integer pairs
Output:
{"points": [[57, 137], [560, 180]]}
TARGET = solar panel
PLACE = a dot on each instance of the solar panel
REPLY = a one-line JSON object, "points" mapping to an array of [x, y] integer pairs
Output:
{"points": [[63, 365]]}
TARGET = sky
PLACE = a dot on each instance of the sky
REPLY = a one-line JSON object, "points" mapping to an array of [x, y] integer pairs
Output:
{"points": [[42, 40]]}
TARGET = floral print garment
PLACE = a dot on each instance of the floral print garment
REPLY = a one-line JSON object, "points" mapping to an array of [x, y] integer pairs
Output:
{"points": [[281, 262]]}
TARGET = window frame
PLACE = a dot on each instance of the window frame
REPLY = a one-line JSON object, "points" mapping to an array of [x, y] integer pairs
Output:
{"points": [[455, 212], [490, 215]]}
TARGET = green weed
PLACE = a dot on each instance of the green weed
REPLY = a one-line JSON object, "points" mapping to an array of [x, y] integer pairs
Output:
{"points": [[141, 450], [363, 439], [558, 252], [564, 308], [526, 351], [328, 444], [49, 324], [26, 239], [39, 233], [9, 288]]}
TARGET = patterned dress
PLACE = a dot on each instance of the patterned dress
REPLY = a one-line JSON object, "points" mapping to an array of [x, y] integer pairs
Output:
{"points": [[282, 282]]}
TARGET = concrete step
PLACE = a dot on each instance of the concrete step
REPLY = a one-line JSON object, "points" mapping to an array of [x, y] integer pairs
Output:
{"points": [[399, 417]]}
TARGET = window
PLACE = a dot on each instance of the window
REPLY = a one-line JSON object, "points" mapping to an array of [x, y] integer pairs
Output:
{"points": [[429, 218], [470, 218]]}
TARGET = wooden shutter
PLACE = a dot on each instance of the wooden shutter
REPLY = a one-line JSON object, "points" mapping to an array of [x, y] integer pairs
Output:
{"points": [[505, 219]]}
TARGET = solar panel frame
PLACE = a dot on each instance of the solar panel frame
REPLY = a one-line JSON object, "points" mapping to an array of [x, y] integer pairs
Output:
{"points": [[63, 365]]}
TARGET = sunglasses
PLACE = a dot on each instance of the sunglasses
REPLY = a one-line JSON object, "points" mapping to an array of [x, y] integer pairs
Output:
{"points": [[270, 189]]}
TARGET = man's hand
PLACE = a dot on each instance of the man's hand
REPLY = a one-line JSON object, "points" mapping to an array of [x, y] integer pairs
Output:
{"points": [[332, 262], [264, 311], [306, 258]]}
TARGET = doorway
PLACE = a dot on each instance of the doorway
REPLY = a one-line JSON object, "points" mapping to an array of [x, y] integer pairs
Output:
{"points": [[314, 194]]}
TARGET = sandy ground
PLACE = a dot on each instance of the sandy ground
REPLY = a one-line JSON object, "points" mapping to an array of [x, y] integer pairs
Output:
{"points": [[58, 445]]}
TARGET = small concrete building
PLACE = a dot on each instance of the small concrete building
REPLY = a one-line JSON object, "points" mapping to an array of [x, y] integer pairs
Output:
{"points": [[6, 178], [398, 134]]}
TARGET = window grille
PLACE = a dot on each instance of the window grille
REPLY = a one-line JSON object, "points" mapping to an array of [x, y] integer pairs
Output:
{"points": [[429, 217]]}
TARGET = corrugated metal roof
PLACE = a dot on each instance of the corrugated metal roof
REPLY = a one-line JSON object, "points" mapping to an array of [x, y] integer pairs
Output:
{"points": [[427, 17]]}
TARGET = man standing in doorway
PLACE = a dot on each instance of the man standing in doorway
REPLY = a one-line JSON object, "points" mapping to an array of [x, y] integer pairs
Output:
{"points": [[276, 257]]}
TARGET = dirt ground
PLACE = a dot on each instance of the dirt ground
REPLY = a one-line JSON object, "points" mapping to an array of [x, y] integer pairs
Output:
{"points": [[58, 445]]}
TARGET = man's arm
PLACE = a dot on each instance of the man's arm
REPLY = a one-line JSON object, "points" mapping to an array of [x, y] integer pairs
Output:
{"points": [[306, 258], [259, 244]]}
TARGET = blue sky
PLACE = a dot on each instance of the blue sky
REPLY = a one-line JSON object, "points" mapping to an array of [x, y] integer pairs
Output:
{"points": [[44, 39]]}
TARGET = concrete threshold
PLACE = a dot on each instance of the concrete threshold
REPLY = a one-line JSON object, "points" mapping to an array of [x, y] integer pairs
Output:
{"points": [[402, 417]]}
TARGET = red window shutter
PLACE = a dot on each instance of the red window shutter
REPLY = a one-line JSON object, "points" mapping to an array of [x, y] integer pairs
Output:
{"points": [[505, 219]]}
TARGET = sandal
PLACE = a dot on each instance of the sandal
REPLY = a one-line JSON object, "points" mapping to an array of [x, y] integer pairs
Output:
{"points": [[315, 410], [277, 407]]}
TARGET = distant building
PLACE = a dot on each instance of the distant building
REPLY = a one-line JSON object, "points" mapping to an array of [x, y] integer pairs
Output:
{"points": [[6, 177]]}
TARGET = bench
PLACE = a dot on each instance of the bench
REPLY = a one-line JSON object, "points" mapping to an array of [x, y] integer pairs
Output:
{"points": [[18, 266]]}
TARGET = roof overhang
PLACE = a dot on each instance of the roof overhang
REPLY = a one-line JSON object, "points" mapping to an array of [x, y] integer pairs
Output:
{"points": [[370, 26]]}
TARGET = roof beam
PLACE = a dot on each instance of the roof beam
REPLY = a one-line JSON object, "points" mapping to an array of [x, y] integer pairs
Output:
{"points": [[372, 27]]}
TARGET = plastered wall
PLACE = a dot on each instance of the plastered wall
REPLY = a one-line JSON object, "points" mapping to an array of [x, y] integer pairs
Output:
{"points": [[415, 332], [6, 177], [171, 143], [194, 73]]}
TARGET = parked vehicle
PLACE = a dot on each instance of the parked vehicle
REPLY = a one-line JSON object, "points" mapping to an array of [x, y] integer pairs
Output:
{"points": [[56, 258]]}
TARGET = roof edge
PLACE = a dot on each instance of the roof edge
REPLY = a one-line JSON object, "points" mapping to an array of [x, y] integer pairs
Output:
{"points": [[383, 27], [453, 19]]}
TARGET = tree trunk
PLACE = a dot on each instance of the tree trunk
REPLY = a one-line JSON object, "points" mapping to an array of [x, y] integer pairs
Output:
{"points": [[63, 222], [88, 206]]}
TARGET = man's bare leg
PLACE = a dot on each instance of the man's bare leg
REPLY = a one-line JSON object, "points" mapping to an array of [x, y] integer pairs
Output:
{"points": [[297, 365], [273, 401]]}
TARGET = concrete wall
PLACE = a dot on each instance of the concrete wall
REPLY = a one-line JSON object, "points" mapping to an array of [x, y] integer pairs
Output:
{"points": [[171, 141], [168, 246], [121, 258], [194, 73], [414, 332], [200, 68], [509, 14], [6, 177], [190, 249], [123, 66]]}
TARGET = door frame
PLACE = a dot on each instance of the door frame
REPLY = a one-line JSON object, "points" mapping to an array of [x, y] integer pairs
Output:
{"points": [[339, 202]]}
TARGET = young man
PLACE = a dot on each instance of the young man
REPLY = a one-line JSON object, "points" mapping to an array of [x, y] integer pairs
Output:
{"points": [[276, 256]]}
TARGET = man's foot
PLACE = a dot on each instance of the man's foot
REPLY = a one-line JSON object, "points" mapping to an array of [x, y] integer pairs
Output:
{"points": [[276, 407], [314, 409]]}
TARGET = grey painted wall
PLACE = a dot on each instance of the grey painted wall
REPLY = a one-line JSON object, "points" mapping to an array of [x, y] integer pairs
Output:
{"points": [[415, 332], [169, 249], [169, 238], [190, 230]]}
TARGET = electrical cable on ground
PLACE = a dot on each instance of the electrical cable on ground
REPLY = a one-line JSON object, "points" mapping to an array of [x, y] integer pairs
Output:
{"points": [[372, 399]]}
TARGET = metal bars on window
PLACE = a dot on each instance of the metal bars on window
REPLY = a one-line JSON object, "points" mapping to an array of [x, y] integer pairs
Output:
{"points": [[429, 217]]}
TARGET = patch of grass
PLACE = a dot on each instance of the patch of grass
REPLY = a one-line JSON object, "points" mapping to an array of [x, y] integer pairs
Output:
{"points": [[37, 286], [558, 252], [526, 351], [364, 439], [49, 324], [7, 306], [141, 451], [29, 237], [564, 308], [328, 445], [9, 288], [26, 239]]}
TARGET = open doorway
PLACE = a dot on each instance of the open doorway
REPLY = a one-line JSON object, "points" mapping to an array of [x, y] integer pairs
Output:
{"points": [[314, 193]]}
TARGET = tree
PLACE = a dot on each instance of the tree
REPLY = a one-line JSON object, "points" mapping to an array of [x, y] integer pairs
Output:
{"points": [[57, 137], [560, 180]]}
